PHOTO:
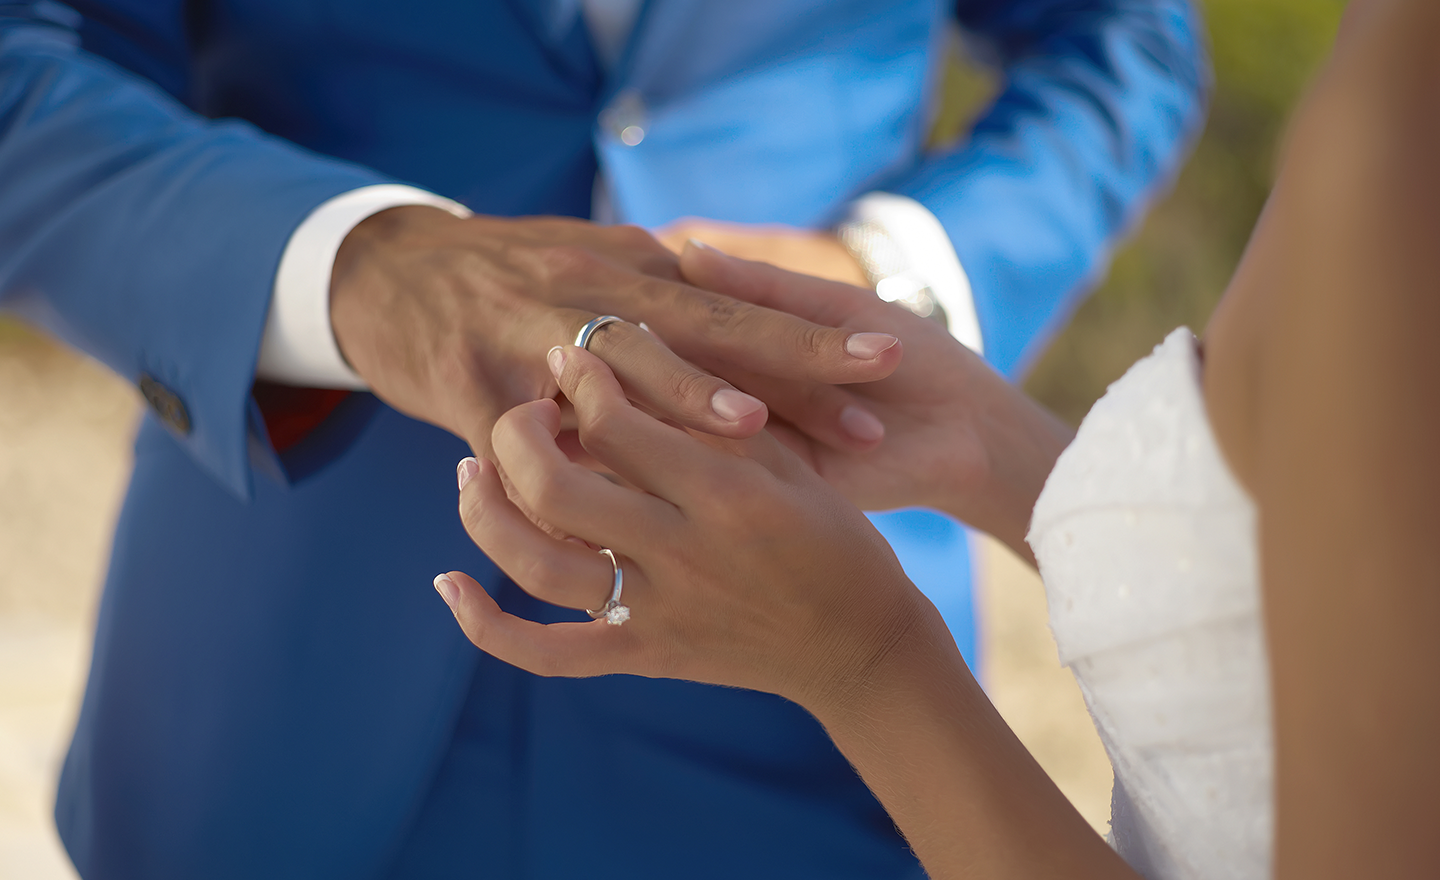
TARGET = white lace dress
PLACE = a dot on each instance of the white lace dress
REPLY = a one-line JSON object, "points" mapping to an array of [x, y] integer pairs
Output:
{"points": [[1148, 549]]}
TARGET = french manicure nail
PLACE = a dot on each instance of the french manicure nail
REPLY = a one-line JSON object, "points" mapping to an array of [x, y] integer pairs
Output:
{"points": [[868, 346], [466, 470], [861, 425], [447, 590], [732, 405], [556, 359]]}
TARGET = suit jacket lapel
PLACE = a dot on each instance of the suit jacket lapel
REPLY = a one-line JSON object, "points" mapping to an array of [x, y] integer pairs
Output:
{"points": [[560, 30]]}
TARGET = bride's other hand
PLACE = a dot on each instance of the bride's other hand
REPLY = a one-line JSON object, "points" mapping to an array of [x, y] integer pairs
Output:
{"points": [[958, 437], [742, 567]]}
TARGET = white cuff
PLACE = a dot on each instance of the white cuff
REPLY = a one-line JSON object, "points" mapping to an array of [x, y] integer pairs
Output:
{"points": [[930, 256], [299, 345]]}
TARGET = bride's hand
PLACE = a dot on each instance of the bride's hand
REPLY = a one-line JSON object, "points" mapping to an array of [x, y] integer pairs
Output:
{"points": [[957, 437], [741, 566]]}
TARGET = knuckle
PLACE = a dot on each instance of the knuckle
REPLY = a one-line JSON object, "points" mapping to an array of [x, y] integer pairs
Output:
{"points": [[553, 490], [722, 312], [600, 426], [691, 386], [542, 573], [561, 262], [506, 426], [634, 236], [468, 264], [811, 340]]}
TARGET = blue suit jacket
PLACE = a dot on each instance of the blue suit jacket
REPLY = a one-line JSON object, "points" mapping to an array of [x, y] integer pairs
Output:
{"points": [[274, 683]]}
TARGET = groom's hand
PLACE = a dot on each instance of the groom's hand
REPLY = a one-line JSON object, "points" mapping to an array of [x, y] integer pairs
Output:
{"points": [[958, 437], [449, 321]]}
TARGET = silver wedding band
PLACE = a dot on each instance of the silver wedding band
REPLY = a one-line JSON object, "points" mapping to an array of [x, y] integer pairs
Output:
{"points": [[613, 612], [582, 339]]}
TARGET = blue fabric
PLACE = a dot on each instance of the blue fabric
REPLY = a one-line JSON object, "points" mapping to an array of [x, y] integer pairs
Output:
{"points": [[276, 691], [1101, 101]]}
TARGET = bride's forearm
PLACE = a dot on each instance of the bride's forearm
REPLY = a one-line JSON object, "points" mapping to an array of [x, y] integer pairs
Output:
{"points": [[962, 788]]}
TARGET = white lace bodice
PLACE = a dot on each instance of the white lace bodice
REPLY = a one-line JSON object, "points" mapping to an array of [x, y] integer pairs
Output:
{"points": [[1148, 549]]}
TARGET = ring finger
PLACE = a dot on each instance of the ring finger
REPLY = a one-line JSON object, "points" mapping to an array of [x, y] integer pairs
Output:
{"points": [[562, 573]]}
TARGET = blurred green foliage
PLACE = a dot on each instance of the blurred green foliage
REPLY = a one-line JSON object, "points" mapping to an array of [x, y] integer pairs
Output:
{"points": [[1175, 269]]}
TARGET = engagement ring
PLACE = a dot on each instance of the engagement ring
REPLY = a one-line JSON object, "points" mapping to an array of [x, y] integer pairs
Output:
{"points": [[613, 612]]}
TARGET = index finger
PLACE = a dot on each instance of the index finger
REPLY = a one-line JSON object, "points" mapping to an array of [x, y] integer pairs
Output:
{"points": [[661, 380], [705, 327], [708, 327], [821, 300]]}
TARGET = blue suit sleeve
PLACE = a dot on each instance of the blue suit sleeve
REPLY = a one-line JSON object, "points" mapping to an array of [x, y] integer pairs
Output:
{"points": [[1101, 101], [143, 234]]}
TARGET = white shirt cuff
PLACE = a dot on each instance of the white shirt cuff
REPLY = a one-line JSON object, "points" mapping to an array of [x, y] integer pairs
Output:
{"points": [[299, 346], [930, 255]]}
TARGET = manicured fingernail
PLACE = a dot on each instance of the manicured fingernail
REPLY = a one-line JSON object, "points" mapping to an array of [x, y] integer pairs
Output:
{"points": [[556, 360], [732, 405], [466, 470], [861, 425], [867, 346], [447, 590]]}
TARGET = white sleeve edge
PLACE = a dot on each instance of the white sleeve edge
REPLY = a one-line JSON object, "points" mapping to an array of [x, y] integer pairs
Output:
{"points": [[299, 347], [927, 248]]}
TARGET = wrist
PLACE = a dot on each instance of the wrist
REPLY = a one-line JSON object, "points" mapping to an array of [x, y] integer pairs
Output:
{"points": [[954, 778], [903, 633], [1022, 441], [362, 281], [372, 236]]}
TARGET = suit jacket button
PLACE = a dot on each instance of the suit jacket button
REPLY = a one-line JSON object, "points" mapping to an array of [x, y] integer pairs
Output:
{"points": [[625, 118], [167, 405]]}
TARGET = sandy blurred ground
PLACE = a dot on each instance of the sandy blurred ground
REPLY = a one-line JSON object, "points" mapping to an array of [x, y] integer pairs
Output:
{"points": [[65, 430]]}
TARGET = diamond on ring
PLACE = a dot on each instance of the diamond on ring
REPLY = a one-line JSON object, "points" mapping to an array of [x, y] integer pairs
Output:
{"points": [[613, 611]]}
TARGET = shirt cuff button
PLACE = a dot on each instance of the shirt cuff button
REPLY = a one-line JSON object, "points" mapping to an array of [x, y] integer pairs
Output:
{"points": [[166, 404]]}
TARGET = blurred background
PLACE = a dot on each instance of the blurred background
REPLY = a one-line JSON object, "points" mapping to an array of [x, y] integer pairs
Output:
{"points": [[65, 427], [1175, 268]]}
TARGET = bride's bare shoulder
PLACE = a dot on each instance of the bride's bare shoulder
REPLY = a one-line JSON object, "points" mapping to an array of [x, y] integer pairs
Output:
{"points": [[1321, 376], [1339, 273]]}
